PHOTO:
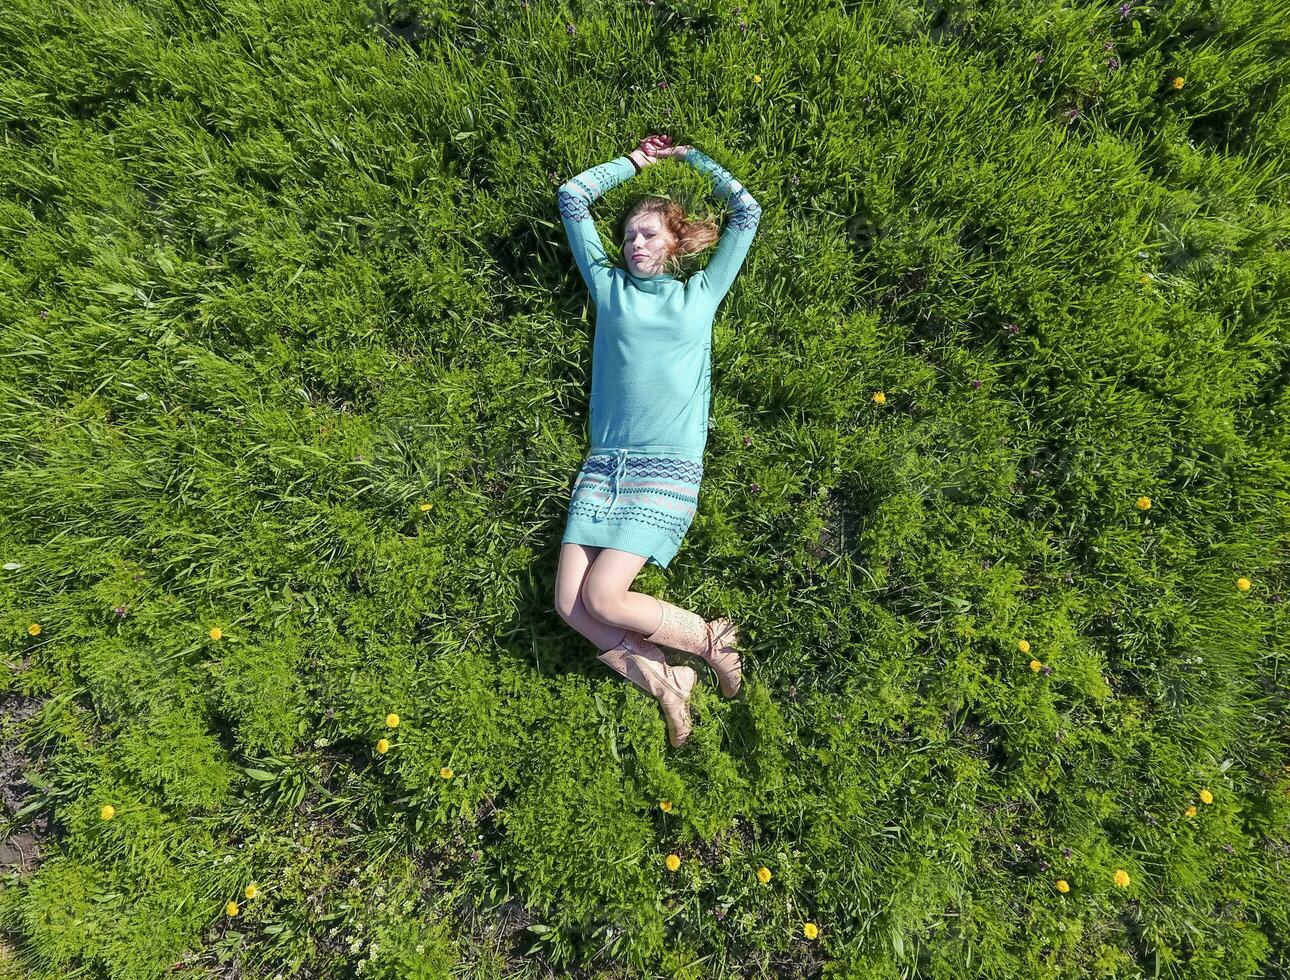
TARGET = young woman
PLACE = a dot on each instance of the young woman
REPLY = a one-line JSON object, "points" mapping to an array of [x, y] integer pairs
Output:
{"points": [[636, 493]]}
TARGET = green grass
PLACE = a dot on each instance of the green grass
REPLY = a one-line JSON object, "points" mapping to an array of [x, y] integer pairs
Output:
{"points": [[275, 274]]}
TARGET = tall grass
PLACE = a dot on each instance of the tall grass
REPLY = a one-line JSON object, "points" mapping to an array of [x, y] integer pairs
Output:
{"points": [[292, 348]]}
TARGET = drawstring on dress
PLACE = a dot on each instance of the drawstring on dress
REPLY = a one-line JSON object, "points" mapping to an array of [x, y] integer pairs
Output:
{"points": [[620, 470]]}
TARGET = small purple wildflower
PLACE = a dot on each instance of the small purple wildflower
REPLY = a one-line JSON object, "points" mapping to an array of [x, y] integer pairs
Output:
{"points": [[867, 100], [1125, 10], [747, 440], [795, 180], [1046, 670], [1113, 63], [1070, 579], [1072, 114], [976, 384], [1107, 45], [570, 29], [1013, 329], [743, 25], [662, 83], [1067, 853], [1228, 847], [754, 487], [44, 314], [1039, 57], [1150, 819], [986, 563], [119, 610]]}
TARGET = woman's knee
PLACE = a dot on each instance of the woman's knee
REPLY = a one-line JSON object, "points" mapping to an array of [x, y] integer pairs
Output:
{"points": [[563, 606], [567, 598], [601, 601], [571, 574]]}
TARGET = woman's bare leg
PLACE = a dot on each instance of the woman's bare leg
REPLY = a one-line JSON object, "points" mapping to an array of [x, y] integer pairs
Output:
{"points": [[575, 562], [605, 595]]}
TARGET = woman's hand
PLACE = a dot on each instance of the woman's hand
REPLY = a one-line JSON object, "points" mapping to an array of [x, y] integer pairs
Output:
{"points": [[662, 147], [654, 148]]}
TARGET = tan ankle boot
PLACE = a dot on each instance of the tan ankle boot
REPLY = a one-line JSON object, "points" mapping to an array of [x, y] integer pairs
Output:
{"points": [[715, 642], [643, 663]]}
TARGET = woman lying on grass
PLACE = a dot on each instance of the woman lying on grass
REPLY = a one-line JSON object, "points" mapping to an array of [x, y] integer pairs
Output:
{"points": [[637, 490]]}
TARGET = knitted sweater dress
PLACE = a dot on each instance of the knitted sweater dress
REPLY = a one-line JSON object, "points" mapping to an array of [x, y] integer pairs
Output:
{"points": [[638, 487]]}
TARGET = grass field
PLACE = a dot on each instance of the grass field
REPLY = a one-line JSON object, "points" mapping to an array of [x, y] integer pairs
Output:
{"points": [[294, 367]]}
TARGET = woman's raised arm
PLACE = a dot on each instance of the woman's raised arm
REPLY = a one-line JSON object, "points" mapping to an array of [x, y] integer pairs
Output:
{"points": [[745, 215], [575, 198]]}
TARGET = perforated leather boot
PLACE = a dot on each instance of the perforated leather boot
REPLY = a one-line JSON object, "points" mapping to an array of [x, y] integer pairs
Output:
{"points": [[643, 663], [715, 642]]}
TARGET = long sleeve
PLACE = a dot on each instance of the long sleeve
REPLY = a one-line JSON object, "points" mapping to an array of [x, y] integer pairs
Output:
{"points": [[575, 197], [741, 226]]}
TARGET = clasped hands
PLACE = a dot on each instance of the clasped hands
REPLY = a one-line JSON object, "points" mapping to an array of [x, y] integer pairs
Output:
{"points": [[655, 148]]}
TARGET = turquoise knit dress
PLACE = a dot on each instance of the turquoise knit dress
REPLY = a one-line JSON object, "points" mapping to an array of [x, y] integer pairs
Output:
{"points": [[651, 369]]}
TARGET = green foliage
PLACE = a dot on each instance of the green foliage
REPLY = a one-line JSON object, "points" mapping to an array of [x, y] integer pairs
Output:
{"points": [[294, 348]]}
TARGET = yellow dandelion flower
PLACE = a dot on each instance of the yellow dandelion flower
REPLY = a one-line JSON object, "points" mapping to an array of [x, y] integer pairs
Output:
{"points": [[672, 861], [757, 79], [251, 891], [1191, 810], [216, 633], [1206, 796], [34, 629], [1144, 503], [1036, 666], [1243, 584], [445, 773], [1121, 878], [665, 806], [763, 875], [1063, 886], [1178, 82], [382, 745], [391, 720], [809, 930], [108, 812], [1144, 279], [425, 507], [231, 908], [1023, 646], [879, 398]]}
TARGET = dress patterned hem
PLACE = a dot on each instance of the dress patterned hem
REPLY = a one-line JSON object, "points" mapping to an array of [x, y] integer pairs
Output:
{"points": [[634, 501]]}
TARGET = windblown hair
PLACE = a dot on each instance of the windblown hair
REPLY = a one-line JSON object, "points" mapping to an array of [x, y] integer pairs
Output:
{"points": [[692, 235]]}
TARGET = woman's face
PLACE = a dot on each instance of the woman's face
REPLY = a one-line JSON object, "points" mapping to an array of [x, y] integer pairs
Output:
{"points": [[646, 244]]}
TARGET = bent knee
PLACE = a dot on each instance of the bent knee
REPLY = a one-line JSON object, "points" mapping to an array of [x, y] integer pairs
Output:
{"points": [[566, 601], [600, 602]]}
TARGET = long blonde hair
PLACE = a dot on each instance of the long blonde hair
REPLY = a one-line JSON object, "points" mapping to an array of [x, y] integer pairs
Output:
{"points": [[692, 235]]}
